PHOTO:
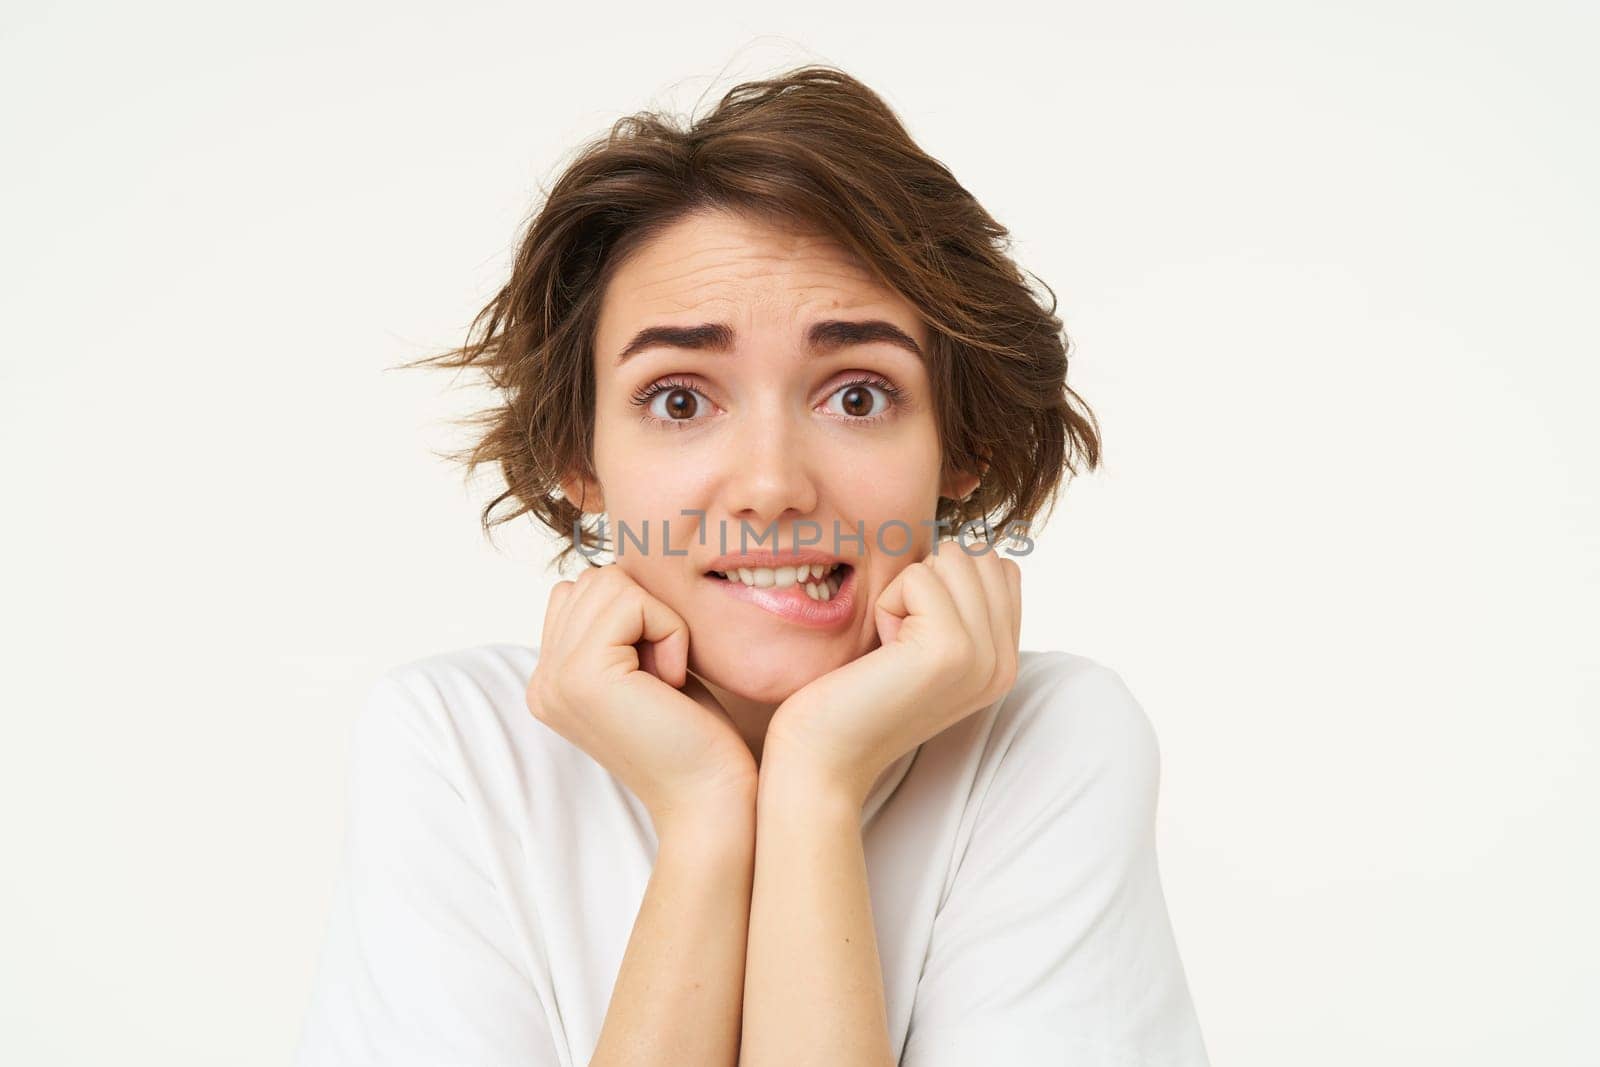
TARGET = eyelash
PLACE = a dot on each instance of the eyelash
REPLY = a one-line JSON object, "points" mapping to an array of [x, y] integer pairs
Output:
{"points": [[642, 398]]}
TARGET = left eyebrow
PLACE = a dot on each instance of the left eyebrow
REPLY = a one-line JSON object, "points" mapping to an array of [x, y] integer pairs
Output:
{"points": [[826, 336]]}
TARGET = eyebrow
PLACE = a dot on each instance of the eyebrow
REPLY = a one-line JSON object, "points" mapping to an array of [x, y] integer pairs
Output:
{"points": [[826, 336]]}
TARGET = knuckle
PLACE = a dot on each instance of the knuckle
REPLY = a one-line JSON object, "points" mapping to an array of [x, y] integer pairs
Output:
{"points": [[538, 701], [1007, 672], [547, 693], [615, 583]]}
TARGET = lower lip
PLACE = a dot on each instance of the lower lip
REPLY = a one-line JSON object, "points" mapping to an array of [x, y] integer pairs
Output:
{"points": [[793, 604]]}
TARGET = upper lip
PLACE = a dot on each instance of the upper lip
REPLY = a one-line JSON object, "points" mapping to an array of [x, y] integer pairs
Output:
{"points": [[773, 560]]}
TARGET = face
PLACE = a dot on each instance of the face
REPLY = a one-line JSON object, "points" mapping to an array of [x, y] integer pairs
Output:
{"points": [[771, 422]]}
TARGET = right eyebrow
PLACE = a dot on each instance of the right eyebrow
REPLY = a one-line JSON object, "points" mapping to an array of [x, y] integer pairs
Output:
{"points": [[711, 336]]}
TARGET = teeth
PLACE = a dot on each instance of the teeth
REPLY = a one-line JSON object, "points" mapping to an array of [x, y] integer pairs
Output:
{"points": [[819, 580], [823, 590]]}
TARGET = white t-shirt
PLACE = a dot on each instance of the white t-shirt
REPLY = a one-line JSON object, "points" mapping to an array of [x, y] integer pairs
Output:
{"points": [[492, 873]]}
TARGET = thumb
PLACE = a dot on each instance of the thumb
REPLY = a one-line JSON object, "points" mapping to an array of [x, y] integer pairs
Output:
{"points": [[890, 610], [888, 626], [663, 644], [915, 603], [667, 659]]}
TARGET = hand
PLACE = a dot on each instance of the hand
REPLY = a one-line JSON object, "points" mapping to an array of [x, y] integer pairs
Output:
{"points": [[613, 679], [948, 626]]}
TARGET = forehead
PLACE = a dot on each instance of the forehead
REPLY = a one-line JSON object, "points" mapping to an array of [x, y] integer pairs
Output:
{"points": [[733, 267]]}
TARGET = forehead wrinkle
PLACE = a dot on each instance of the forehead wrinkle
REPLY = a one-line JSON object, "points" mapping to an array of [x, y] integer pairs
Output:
{"points": [[735, 274], [742, 314], [665, 263], [752, 267], [843, 286]]}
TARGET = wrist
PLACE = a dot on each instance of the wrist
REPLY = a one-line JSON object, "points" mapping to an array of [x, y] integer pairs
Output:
{"points": [[722, 823], [794, 776]]}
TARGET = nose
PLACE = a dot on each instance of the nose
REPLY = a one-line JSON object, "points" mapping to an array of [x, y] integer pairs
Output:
{"points": [[768, 474]]}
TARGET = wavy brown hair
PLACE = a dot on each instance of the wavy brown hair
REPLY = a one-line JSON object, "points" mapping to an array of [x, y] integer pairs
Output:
{"points": [[816, 147]]}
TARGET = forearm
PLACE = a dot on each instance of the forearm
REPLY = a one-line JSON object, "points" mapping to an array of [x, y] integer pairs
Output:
{"points": [[678, 992], [813, 982]]}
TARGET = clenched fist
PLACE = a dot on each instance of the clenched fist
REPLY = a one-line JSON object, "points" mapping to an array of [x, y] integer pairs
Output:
{"points": [[612, 678]]}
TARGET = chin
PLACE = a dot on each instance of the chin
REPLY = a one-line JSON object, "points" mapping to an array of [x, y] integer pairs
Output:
{"points": [[769, 678]]}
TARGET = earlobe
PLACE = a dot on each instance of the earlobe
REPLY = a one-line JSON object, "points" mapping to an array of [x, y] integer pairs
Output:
{"points": [[584, 494], [959, 485]]}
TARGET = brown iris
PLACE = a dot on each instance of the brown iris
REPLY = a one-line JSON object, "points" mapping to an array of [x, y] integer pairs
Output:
{"points": [[680, 404], [857, 396]]}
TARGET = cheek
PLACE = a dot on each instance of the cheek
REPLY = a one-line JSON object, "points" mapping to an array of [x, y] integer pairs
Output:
{"points": [[646, 475], [889, 567], [900, 485], [649, 499], [900, 461]]}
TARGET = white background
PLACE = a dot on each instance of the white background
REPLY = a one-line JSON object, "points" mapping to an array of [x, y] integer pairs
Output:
{"points": [[1330, 276]]}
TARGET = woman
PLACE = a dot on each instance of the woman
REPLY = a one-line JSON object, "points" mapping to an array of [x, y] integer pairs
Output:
{"points": [[790, 800]]}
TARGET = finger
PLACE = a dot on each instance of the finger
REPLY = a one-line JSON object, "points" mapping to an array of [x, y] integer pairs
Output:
{"points": [[917, 599], [997, 591], [959, 572], [1013, 571], [667, 659], [591, 616], [578, 610], [635, 618], [596, 588], [583, 587], [555, 610]]}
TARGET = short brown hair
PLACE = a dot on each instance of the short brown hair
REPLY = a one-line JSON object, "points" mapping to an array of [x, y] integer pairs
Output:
{"points": [[815, 147]]}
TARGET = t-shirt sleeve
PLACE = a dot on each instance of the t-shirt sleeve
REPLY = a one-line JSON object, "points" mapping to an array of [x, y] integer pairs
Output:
{"points": [[418, 965], [1053, 943]]}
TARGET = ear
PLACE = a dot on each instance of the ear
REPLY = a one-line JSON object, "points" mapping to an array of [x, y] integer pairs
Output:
{"points": [[958, 485], [584, 493]]}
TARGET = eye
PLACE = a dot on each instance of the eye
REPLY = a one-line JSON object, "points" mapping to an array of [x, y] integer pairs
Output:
{"points": [[679, 404], [671, 401], [865, 399]]}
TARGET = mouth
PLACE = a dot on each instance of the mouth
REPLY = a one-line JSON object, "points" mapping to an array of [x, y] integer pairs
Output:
{"points": [[816, 595], [819, 581]]}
